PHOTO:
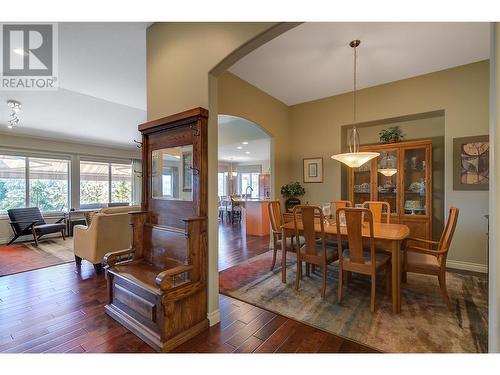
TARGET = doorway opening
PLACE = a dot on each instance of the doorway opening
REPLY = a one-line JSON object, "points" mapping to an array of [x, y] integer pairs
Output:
{"points": [[243, 189]]}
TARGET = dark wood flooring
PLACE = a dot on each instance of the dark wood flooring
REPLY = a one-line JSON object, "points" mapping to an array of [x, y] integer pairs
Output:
{"points": [[235, 245], [61, 309]]}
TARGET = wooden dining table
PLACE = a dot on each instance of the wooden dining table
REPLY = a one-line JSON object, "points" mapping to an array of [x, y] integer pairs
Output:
{"points": [[387, 237]]}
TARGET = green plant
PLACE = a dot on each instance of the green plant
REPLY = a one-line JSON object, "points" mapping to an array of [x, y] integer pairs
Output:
{"points": [[391, 135], [291, 190]]}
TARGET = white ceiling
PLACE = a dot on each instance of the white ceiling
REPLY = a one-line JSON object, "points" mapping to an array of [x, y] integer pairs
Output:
{"points": [[102, 88], [233, 131], [314, 60]]}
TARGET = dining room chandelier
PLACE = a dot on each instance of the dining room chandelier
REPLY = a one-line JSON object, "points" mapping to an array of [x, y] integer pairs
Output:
{"points": [[354, 158], [387, 164], [15, 108]]}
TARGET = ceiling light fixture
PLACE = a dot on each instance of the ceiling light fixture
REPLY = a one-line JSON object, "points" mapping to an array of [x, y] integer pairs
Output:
{"points": [[15, 106], [245, 143], [239, 148], [247, 152], [388, 162], [354, 158], [20, 51]]}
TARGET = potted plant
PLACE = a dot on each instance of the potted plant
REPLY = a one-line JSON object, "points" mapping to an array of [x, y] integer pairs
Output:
{"points": [[290, 192], [391, 135]]}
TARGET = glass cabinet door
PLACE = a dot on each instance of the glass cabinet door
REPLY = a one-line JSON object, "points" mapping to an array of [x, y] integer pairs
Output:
{"points": [[362, 184], [415, 181], [387, 178]]}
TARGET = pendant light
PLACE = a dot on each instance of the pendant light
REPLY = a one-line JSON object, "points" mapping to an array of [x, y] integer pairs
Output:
{"points": [[354, 158], [387, 164]]}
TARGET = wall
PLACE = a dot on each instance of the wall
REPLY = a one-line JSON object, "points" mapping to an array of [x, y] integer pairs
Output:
{"points": [[462, 93], [54, 147], [183, 63], [239, 98]]}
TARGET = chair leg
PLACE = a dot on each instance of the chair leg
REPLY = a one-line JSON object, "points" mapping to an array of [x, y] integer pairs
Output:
{"points": [[323, 289], [341, 277], [13, 239], [34, 237], [275, 251], [442, 285], [299, 274], [78, 260], [404, 277], [388, 279], [372, 298], [313, 268], [98, 268], [308, 269], [62, 234], [348, 276]]}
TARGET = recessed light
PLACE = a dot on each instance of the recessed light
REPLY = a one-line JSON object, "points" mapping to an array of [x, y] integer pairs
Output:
{"points": [[239, 148], [245, 143], [247, 152], [19, 51]]}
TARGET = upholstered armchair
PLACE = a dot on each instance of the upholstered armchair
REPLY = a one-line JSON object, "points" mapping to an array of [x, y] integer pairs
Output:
{"points": [[109, 230]]}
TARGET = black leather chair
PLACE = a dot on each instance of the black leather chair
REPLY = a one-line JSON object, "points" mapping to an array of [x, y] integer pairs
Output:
{"points": [[29, 221]]}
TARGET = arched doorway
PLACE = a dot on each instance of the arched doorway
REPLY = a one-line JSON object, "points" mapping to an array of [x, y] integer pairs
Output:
{"points": [[244, 186]]}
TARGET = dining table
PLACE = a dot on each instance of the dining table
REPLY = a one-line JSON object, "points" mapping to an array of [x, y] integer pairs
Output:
{"points": [[388, 237]]}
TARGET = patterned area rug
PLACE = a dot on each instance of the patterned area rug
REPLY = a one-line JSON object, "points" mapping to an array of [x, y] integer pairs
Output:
{"points": [[424, 325], [26, 256]]}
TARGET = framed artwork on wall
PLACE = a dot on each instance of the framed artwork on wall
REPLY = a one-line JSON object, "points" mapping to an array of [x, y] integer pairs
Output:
{"points": [[471, 163], [313, 169]]}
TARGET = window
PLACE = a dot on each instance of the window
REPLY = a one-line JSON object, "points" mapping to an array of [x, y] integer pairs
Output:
{"points": [[252, 180], [102, 183], [34, 182], [121, 183], [48, 184], [12, 182], [94, 182], [222, 184]]}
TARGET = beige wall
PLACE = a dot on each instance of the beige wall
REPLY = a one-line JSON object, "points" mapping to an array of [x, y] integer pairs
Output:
{"points": [[463, 94], [238, 98], [183, 62]]}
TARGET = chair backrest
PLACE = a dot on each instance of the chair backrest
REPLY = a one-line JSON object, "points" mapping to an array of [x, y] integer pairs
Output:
{"points": [[275, 216], [377, 208], [21, 218], [449, 230], [354, 225], [310, 216], [335, 205]]}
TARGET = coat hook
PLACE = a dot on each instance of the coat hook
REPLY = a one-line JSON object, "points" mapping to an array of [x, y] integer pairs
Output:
{"points": [[138, 144], [196, 171], [138, 173], [195, 129]]}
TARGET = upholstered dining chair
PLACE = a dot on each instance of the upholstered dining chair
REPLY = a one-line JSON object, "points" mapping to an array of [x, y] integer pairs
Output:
{"points": [[314, 251], [429, 257], [356, 258], [277, 220], [377, 209]]}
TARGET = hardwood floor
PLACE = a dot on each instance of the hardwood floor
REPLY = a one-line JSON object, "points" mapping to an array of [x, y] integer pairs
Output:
{"points": [[235, 245], [60, 309]]}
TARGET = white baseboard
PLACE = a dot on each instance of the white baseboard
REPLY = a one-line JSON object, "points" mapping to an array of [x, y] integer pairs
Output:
{"points": [[475, 267], [213, 317]]}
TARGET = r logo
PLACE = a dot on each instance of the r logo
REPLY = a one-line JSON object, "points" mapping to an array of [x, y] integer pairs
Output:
{"points": [[27, 50]]}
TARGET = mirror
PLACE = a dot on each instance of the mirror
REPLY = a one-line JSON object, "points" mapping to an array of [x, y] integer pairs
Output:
{"points": [[172, 173]]}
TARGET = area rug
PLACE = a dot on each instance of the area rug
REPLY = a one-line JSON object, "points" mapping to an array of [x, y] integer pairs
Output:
{"points": [[424, 325], [26, 256]]}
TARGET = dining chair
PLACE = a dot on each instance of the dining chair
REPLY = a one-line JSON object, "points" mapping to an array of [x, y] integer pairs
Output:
{"points": [[335, 205], [314, 251], [377, 209], [276, 218], [235, 210], [430, 257], [356, 258]]}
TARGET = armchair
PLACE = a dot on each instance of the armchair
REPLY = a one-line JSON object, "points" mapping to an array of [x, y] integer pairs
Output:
{"points": [[29, 221]]}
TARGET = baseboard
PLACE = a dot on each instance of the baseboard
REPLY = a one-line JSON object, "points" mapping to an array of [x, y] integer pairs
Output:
{"points": [[213, 317], [467, 266]]}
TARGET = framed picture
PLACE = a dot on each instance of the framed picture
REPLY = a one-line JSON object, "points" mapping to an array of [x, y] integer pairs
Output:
{"points": [[313, 169], [187, 171], [471, 163]]}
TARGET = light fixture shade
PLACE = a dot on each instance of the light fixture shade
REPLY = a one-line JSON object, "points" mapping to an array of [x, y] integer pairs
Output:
{"points": [[388, 172], [355, 159]]}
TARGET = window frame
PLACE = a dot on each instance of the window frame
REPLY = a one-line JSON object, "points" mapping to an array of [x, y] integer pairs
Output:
{"points": [[40, 155]]}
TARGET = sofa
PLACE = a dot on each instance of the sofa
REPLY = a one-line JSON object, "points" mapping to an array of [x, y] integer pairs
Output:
{"points": [[109, 230]]}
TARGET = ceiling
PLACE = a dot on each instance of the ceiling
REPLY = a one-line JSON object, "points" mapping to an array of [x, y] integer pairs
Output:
{"points": [[314, 60], [233, 131], [102, 88]]}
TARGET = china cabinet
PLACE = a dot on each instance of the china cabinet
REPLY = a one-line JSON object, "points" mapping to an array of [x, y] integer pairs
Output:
{"points": [[401, 176]]}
